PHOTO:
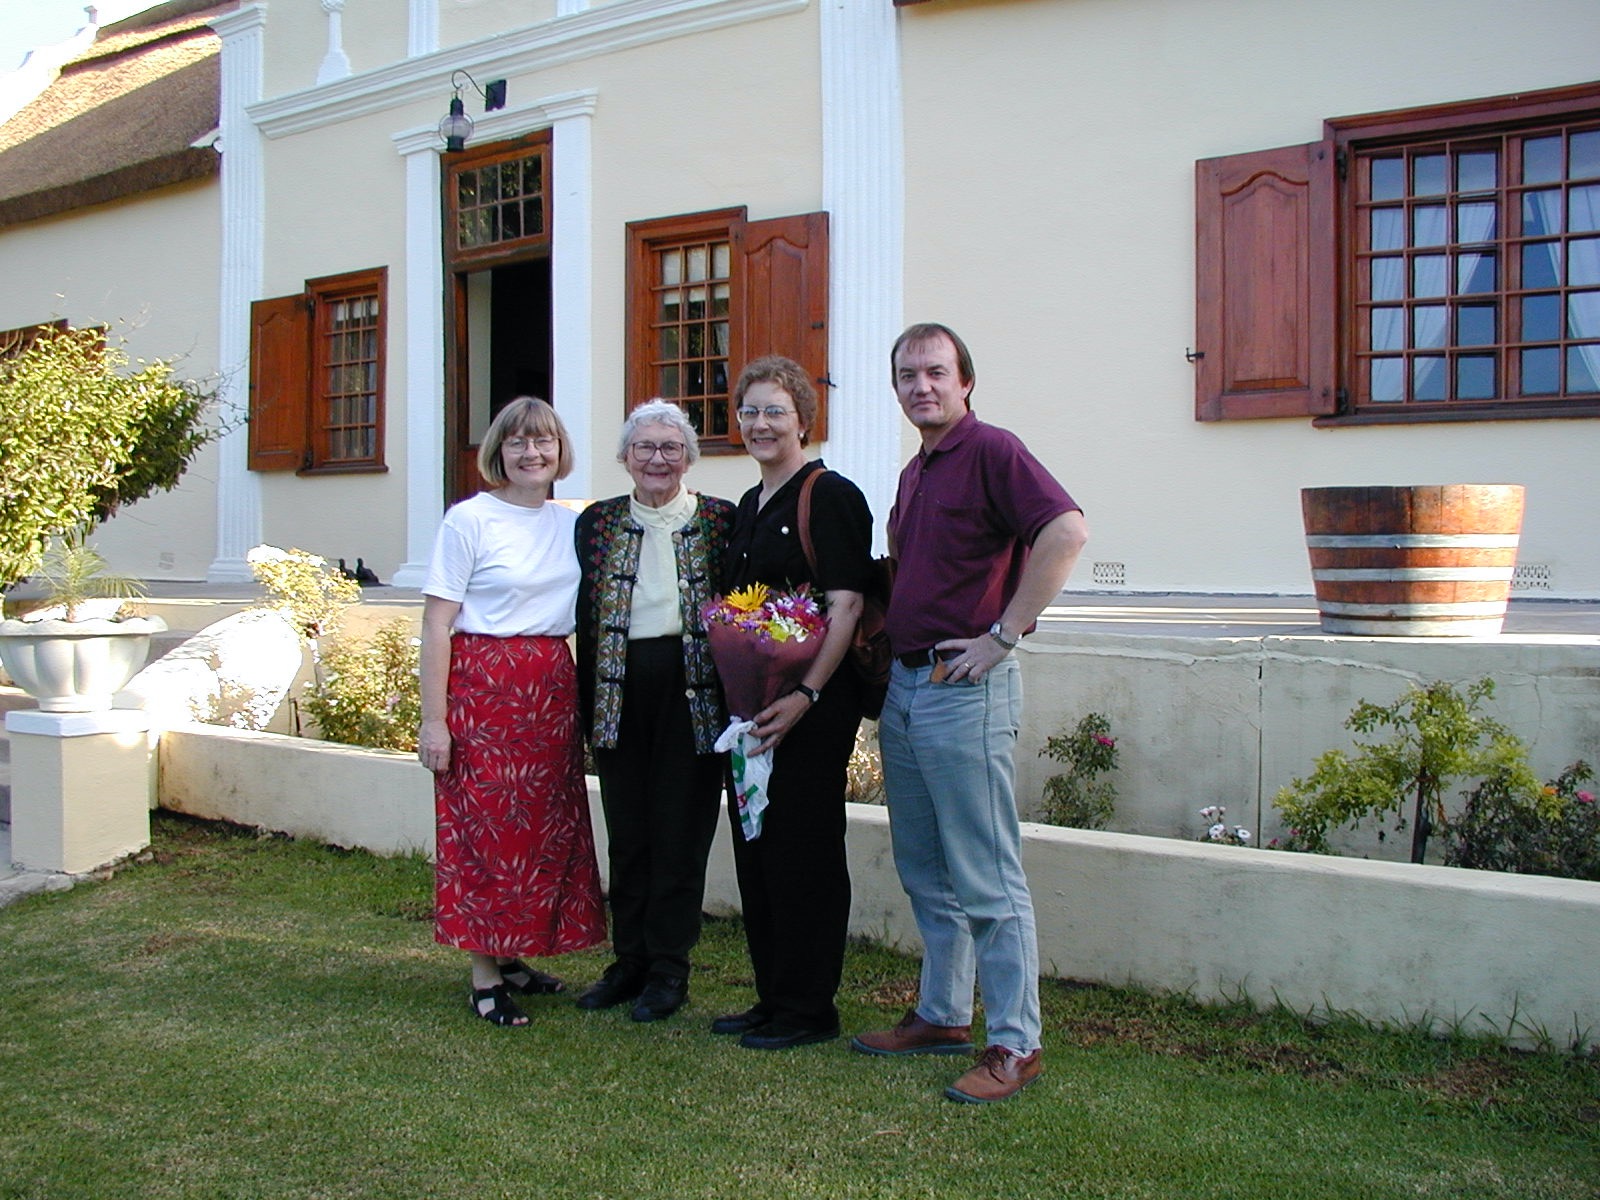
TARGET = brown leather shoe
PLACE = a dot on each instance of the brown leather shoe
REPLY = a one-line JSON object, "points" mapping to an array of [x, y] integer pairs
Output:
{"points": [[915, 1036], [999, 1075]]}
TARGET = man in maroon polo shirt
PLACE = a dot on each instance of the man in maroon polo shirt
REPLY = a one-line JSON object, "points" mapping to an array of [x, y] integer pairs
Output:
{"points": [[984, 538]]}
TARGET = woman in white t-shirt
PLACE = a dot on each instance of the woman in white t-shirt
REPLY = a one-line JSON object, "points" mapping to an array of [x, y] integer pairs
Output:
{"points": [[515, 870]]}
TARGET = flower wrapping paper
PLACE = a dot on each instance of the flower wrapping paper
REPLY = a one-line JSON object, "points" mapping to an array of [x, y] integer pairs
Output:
{"points": [[755, 668]]}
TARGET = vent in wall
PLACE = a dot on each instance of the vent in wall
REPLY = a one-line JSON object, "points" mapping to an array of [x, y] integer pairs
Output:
{"points": [[1531, 577], [1109, 574]]}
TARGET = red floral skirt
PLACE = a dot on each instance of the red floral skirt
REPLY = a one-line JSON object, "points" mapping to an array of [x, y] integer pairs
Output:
{"points": [[515, 869]]}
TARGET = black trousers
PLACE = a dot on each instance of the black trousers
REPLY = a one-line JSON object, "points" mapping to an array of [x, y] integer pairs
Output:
{"points": [[660, 800], [794, 880]]}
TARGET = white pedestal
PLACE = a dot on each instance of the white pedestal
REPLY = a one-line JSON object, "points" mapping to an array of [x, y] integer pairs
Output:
{"points": [[80, 788]]}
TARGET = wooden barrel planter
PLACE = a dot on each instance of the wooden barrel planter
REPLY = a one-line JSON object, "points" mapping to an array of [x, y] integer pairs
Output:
{"points": [[1413, 561]]}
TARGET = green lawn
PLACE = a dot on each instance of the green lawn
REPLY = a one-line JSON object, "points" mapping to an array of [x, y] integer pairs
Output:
{"points": [[248, 1016]]}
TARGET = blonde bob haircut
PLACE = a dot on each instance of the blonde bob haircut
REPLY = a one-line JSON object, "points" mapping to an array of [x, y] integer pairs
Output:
{"points": [[529, 417]]}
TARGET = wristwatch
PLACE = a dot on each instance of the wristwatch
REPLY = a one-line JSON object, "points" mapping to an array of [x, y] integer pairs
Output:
{"points": [[999, 635], [809, 693]]}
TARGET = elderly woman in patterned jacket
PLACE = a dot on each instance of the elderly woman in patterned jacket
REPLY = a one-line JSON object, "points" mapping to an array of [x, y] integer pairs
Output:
{"points": [[652, 705]]}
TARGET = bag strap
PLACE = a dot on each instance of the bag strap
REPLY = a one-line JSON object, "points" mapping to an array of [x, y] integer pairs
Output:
{"points": [[804, 520]]}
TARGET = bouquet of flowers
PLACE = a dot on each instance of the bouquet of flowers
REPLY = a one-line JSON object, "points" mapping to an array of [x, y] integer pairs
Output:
{"points": [[762, 643]]}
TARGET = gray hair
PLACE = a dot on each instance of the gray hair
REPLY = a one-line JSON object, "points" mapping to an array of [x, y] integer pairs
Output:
{"points": [[659, 412]]}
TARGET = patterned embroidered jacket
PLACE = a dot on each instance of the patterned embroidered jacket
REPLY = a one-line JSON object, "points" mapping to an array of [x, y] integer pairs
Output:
{"points": [[609, 540]]}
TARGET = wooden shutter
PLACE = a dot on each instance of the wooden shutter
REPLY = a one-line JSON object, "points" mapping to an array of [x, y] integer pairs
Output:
{"points": [[1264, 291], [784, 291], [280, 380]]}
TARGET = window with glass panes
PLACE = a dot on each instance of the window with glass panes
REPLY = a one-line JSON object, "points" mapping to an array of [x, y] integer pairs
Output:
{"points": [[1477, 269], [690, 329], [709, 291], [316, 376], [1428, 264], [498, 200], [347, 364]]}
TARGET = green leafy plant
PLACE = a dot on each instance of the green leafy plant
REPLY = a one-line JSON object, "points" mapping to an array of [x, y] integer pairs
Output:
{"points": [[1555, 831], [1440, 736], [370, 690], [83, 432], [1078, 797], [71, 574], [305, 587]]}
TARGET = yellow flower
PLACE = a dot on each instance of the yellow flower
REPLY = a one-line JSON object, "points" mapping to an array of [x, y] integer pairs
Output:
{"points": [[748, 599]]}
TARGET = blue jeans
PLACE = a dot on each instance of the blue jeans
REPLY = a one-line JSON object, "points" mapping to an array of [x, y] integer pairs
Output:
{"points": [[950, 774]]}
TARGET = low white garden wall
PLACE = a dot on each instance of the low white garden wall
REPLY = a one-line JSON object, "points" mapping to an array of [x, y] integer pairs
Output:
{"points": [[1229, 721], [1391, 941]]}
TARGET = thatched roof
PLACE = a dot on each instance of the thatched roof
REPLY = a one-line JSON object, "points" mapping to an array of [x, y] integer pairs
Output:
{"points": [[132, 113]]}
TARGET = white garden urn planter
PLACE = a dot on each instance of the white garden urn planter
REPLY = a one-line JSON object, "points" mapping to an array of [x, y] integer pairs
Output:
{"points": [[75, 666]]}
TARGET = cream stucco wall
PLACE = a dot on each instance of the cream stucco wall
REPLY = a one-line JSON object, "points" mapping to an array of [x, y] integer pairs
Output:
{"points": [[1050, 154], [335, 201], [467, 20], [297, 39], [1049, 169], [147, 269], [760, 115]]}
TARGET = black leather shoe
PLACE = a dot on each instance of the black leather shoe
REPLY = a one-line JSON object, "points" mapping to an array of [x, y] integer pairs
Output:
{"points": [[775, 1035], [741, 1022], [662, 996], [618, 985]]}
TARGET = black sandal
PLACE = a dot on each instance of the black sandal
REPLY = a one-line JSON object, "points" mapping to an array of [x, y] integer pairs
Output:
{"points": [[523, 979], [501, 1010]]}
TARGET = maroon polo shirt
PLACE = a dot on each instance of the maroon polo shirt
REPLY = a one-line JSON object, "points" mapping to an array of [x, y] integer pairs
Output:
{"points": [[963, 520]]}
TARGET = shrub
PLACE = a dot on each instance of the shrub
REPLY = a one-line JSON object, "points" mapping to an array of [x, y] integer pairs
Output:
{"points": [[304, 587], [1078, 797], [370, 691], [1219, 831], [864, 776], [1553, 832], [1439, 736], [81, 435]]}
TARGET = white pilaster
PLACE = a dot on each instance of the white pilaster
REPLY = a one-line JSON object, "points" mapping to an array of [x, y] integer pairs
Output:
{"points": [[335, 63], [572, 285], [863, 190], [243, 213], [424, 360], [569, 117], [422, 29]]}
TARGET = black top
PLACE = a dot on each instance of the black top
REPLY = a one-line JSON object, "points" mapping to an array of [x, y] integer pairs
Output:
{"points": [[765, 544]]}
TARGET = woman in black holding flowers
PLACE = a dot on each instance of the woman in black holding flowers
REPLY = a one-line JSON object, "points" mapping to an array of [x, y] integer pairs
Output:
{"points": [[794, 884]]}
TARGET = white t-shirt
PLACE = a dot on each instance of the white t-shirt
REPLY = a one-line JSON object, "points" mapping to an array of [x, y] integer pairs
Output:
{"points": [[514, 570]]}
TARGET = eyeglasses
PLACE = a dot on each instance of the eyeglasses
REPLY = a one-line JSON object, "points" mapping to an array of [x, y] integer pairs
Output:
{"points": [[772, 412], [544, 445], [643, 452]]}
